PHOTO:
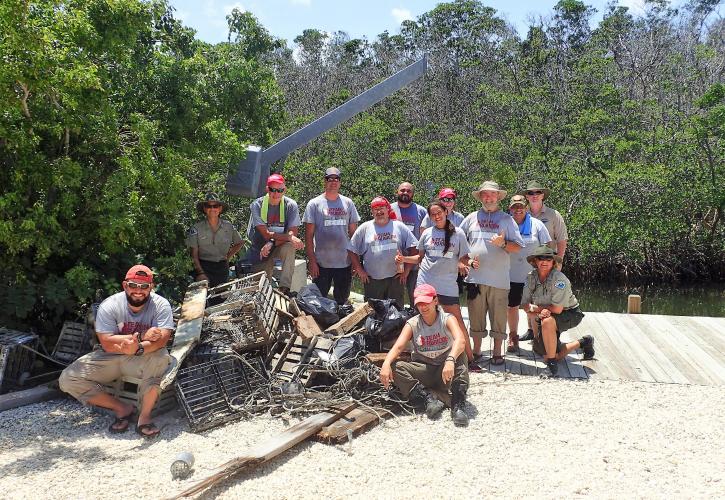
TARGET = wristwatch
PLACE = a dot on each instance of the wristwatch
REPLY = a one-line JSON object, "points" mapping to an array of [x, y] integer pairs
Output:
{"points": [[139, 351]]}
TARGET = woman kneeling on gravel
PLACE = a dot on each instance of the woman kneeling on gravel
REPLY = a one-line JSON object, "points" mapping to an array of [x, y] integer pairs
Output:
{"points": [[552, 308], [437, 360]]}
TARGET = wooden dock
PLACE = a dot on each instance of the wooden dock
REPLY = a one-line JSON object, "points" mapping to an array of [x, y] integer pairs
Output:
{"points": [[638, 347]]}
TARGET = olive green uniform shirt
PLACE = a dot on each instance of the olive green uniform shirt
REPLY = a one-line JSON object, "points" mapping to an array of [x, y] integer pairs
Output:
{"points": [[555, 290], [213, 246], [554, 223]]}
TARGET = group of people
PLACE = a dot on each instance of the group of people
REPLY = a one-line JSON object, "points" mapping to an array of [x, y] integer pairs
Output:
{"points": [[506, 260]]}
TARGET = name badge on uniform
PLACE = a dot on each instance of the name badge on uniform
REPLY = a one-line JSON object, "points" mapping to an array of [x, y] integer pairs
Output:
{"points": [[334, 222]]}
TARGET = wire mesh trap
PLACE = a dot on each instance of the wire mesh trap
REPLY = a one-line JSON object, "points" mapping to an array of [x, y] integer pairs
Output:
{"points": [[15, 360]]}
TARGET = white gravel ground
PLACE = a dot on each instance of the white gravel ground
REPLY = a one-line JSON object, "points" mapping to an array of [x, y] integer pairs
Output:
{"points": [[527, 438]]}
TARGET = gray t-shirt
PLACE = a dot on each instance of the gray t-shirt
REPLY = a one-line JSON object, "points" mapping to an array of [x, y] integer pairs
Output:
{"points": [[519, 266], [292, 219], [455, 217], [431, 343], [411, 216], [378, 245], [480, 227], [438, 269], [116, 318], [331, 220]]}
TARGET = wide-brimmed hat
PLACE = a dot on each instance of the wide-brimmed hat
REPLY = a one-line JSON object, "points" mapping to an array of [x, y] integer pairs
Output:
{"points": [[543, 251], [210, 198], [518, 199], [535, 186], [489, 186]]}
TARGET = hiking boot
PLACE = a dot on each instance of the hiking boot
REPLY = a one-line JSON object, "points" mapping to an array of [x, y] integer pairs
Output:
{"points": [[529, 335], [587, 345], [433, 405], [458, 406], [553, 366]]}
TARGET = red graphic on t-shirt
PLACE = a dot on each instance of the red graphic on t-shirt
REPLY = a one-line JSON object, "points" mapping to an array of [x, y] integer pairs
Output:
{"points": [[133, 327]]}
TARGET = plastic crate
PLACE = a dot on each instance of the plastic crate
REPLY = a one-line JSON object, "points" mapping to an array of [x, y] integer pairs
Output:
{"points": [[73, 342], [15, 359], [126, 390], [218, 391]]}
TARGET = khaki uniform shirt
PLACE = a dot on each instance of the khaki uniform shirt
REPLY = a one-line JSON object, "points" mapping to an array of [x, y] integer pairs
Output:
{"points": [[212, 246], [555, 290], [554, 223]]}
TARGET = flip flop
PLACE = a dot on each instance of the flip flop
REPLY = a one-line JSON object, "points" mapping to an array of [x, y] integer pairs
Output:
{"points": [[148, 427], [497, 360], [114, 429]]}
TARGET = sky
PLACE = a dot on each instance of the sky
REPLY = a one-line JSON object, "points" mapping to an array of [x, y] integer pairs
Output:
{"points": [[288, 18]]}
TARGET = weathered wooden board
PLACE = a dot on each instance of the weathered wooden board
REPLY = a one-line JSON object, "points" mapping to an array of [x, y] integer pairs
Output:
{"points": [[306, 326], [349, 322], [357, 421]]}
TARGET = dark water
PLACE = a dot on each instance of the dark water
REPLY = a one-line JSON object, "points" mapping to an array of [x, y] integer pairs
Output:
{"points": [[681, 301]]}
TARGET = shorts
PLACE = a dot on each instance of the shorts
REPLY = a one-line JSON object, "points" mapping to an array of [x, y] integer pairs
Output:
{"points": [[569, 318], [448, 300], [515, 293]]}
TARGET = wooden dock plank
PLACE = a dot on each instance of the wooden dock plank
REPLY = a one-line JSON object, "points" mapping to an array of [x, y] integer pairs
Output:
{"points": [[643, 358], [712, 341], [574, 358], [610, 363], [661, 358], [659, 334]]}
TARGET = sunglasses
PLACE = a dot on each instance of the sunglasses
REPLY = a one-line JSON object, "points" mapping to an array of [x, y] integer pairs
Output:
{"points": [[448, 200], [276, 190], [142, 286], [546, 257], [332, 178], [534, 193], [212, 205]]}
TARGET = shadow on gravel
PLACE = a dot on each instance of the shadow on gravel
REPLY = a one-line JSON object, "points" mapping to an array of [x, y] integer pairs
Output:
{"points": [[46, 456]]}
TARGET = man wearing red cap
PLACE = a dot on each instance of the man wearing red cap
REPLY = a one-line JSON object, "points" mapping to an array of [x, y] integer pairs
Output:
{"points": [[447, 196], [133, 327], [273, 224], [437, 360], [411, 214], [377, 242]]}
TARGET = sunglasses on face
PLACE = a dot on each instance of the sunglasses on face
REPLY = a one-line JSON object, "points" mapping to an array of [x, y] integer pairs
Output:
{"points": [[142, 286], [534, 193], [447, 200], [332, 178], [276, 190], [546, 257], [212, 205]]}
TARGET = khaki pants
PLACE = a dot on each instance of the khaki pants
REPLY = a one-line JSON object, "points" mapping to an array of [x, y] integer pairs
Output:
{"points": [[83, 378], [493, 301], [409, 373], [286, 253]]}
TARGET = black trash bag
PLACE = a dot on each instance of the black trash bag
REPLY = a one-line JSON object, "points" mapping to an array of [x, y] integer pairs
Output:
{"points": [[321, 308], [344, 310], [343, 353], [387, 320]]}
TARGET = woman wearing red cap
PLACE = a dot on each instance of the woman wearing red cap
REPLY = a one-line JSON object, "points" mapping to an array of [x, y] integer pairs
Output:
{"points": [[377, 242], [437, 360], [447, 196]]}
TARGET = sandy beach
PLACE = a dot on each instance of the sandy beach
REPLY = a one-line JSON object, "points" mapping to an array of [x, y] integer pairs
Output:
{"points": [[528, 437]]}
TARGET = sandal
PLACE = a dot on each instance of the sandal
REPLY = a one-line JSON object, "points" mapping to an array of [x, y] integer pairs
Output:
{"points": [[497, 360], [148, 427], [513, 344], [125, 421]]}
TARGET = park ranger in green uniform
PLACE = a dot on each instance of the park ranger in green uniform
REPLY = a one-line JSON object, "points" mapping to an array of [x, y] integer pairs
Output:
{"points": [[212, 242], [551, 305]]}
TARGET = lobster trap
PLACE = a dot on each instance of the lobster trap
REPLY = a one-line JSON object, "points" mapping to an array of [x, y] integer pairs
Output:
{"points": [[15, 360], [73, 342], [220, 390]]}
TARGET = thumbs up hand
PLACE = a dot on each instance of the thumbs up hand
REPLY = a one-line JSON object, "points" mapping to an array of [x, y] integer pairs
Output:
{"points": [[499, 240]]}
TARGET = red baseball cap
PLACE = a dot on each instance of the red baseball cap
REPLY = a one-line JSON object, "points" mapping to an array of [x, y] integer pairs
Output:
{"points": [[140, 273], [446, 193], [275, 178], [424, 294]]}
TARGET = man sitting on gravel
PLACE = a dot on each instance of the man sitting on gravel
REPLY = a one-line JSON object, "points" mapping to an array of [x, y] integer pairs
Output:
{"points": [[437, 360], [552, 308], [133, 327]]}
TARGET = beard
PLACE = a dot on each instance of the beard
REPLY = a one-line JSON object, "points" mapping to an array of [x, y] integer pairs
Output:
{"points": [[490, 207], [136, 303], [405, 198]]}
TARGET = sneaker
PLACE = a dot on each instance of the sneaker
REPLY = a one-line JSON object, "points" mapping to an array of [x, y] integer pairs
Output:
{"points": [[529, 335], [553, 366], [587, 345], [474, 367]]}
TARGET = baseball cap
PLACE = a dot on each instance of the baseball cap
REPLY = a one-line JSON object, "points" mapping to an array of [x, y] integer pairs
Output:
{"points": [[424, 294], [275, 178], [140, 273], [518, 199], [332, 171], [446, 193]]}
